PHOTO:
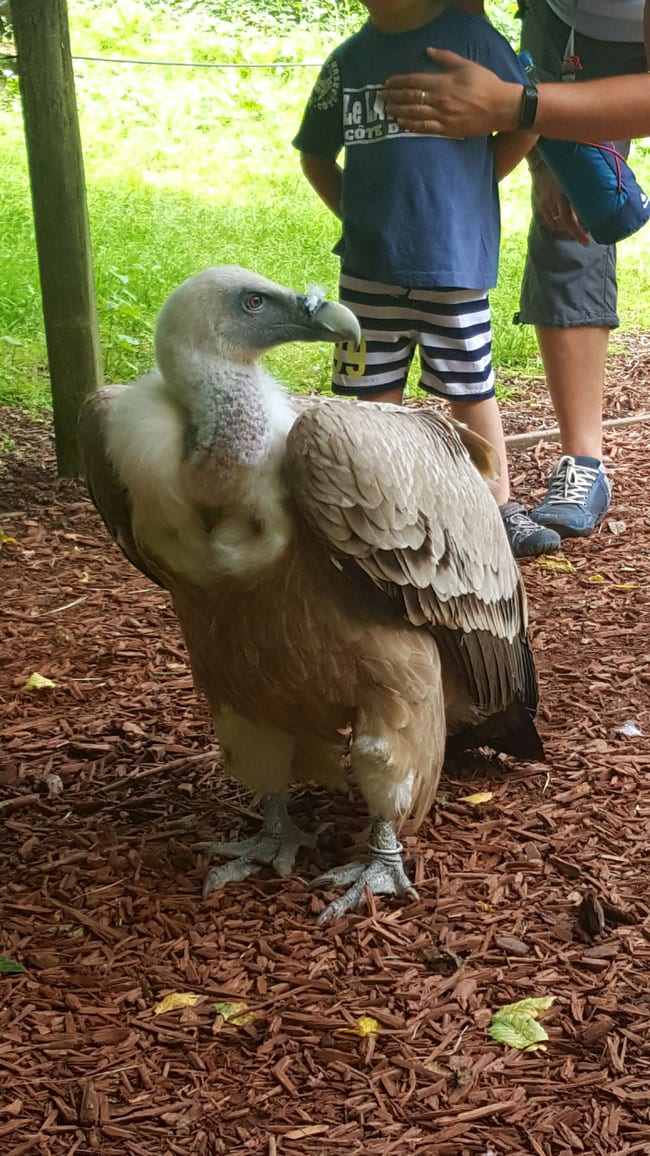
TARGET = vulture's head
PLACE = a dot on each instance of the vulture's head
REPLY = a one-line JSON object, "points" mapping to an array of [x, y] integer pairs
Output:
{"points": [[226, 313]]}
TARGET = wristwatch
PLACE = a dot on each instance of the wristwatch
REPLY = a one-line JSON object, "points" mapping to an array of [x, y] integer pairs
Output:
{"points": [[529, 102]]}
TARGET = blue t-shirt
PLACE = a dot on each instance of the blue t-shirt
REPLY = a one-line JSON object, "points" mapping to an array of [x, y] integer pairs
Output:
{"points": [[417, 210]]}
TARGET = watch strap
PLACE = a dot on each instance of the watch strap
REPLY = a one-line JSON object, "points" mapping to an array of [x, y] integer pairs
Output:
{"points": [[529, 103]]}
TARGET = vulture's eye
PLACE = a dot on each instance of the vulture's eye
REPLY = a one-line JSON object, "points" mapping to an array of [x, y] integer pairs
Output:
{"points": [[253, 302]]}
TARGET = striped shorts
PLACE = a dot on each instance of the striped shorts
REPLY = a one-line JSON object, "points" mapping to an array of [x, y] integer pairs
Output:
{"points": [[451, 328]]}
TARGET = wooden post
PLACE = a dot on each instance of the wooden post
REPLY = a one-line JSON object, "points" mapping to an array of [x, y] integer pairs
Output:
{"points": [[60, 214]]}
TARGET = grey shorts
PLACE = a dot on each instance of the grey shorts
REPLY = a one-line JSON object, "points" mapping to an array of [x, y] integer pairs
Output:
{"points": [[565, 284]]}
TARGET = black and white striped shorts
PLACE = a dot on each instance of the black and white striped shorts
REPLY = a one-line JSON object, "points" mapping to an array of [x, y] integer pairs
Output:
{"points": [[451, 328]]}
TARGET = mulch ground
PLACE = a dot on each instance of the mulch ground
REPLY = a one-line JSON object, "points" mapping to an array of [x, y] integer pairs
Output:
{"points": [[109, 778]]}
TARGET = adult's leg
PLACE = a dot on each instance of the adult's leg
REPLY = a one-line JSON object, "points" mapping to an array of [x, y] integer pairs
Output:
{"points": [[569, 293], [574, 361]]}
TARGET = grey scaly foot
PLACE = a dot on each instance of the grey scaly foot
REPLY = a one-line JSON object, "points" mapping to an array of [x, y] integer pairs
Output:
{"points": [[277, 842], [382, 872]]}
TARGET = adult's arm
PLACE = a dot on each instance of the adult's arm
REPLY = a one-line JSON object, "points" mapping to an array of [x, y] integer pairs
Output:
{"points": [[465, 99]]}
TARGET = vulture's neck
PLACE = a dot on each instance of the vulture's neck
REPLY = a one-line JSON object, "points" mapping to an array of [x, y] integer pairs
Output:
{"points": [[231, 422], [232, 470]]}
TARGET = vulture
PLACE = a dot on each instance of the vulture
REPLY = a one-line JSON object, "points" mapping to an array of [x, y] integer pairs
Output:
{"points": [[339, 569]]}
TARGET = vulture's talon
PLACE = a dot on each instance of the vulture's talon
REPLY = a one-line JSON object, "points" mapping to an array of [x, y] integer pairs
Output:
{"points": [[382, 875], [277, 842], [261, 849], [233, 872]]}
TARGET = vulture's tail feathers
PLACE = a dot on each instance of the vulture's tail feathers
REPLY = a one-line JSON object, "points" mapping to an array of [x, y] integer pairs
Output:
{"points": [[491, 693], [511, 732]]}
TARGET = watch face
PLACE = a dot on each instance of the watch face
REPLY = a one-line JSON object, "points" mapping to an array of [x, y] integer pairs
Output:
{"points": [[326, 90]]}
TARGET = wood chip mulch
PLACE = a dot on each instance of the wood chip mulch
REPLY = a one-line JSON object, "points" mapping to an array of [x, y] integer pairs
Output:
{"points": [[109, 778]]}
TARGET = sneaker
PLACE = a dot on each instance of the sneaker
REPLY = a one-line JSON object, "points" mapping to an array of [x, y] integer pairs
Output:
{"points": [[527, 539], [577, 498]]}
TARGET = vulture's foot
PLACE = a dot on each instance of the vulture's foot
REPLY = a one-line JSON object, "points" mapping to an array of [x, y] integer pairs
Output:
{"points": [[277, 842], [382, 873]]}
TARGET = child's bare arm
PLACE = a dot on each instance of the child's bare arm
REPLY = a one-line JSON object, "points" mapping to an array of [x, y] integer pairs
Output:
{"points": [[510, 148], [325, 175]]}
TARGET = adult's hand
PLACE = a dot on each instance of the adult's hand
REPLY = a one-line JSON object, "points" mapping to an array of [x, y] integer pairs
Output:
{"points": [[554, 208], [463, 99]]}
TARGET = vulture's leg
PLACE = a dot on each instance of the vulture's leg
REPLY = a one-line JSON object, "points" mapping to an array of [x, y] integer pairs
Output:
{"points": [[277, 842], [397, 751], [260, 757], [382, 872]]}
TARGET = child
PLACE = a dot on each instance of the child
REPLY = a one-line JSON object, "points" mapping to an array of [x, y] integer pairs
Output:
{"points": [[421, 227]]}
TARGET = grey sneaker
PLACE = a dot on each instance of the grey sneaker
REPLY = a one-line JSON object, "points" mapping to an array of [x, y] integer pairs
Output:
{"points": [[577, 498], [527, 539]]}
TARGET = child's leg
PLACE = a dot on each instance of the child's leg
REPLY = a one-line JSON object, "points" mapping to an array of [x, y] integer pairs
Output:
{"points": [[377, 368], [455, 351], [483, 418]]}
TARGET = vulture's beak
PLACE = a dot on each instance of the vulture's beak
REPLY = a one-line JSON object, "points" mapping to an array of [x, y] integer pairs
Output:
{"points": [[327, 321]]}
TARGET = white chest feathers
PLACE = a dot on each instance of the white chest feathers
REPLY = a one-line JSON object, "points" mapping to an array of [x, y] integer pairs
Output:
{"points": [[201, 506]]}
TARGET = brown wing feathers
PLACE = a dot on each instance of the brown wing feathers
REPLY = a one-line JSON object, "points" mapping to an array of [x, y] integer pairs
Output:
{"points": [[395, 492], [108, 494], [399, 505]]}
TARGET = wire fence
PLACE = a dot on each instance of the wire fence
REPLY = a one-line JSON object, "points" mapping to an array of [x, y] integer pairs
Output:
{"points": [[9, 63], [199, 63]]}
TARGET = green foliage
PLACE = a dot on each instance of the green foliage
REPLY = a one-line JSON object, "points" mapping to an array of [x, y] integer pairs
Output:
{"points": [[259, 14], [10, 966], [188, 167], [516, 1024], [503, 15]]}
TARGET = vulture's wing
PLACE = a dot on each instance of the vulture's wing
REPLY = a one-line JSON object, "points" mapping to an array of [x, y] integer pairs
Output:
{"points": [[109, 495], [397, 498]]}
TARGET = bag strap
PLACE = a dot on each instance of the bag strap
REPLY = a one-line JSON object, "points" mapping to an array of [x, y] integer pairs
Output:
{"points": [[558, 62], [618, 158], [570, 49]]}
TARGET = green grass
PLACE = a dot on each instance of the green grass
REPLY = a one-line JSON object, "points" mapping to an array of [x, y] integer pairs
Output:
{"points": [[187, 168]]}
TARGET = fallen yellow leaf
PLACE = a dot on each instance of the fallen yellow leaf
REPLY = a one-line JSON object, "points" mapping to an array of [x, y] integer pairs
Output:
{"points": [[38, 681], [595, 578], [366, 1026], [624, 585], [174, 1000], [560, 564], [479, 797]]}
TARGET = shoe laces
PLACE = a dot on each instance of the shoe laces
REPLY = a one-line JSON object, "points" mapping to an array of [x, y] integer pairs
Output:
{"points": [[571, 482], [517, 519], [517, 522]]}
